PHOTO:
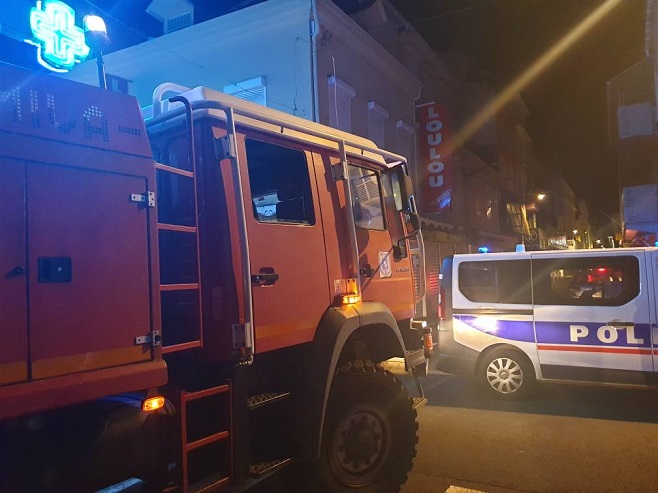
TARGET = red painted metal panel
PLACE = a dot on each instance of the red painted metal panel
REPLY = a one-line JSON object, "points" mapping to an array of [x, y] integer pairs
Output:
{"points": [[49, 107], [13, 316], [87, 216], [391, 281], [29, 397], [396, 291], [287, 312]]}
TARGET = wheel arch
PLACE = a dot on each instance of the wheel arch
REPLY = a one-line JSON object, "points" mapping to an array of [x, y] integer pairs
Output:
{"points": [[374, 327]]}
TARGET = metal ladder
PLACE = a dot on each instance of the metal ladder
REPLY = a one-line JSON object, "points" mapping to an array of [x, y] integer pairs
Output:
{"points": [[206, 448]]}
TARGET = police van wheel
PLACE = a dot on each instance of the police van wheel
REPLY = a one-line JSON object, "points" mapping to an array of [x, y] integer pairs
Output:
{"points": [[507, 374], [370, 433]]}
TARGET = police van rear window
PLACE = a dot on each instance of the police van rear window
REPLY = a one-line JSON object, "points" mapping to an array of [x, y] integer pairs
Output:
{"points": [[498, 281], [588, 281]]}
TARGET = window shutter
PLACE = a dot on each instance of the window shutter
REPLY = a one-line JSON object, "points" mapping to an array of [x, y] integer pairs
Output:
{"points": [[253, 90]]}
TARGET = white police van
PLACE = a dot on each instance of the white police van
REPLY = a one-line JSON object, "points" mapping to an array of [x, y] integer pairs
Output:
{"points": [[511, 319]]}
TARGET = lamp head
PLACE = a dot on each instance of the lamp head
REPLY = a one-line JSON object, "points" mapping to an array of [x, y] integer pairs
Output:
{"points": [[95, 32]]}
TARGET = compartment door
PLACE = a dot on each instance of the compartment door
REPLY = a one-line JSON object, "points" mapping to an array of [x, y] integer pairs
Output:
{"points": [[289, 281], [88, 270], [592, 319], [383, 278], [13, 303]]}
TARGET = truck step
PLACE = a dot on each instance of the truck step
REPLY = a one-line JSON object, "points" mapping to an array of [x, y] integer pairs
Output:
{"points": [[419, 402], [210, 483], [259, 400], [269, 467]]}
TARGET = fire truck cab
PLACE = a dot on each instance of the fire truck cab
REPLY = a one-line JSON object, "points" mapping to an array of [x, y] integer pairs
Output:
{"points": [[200, 300]]}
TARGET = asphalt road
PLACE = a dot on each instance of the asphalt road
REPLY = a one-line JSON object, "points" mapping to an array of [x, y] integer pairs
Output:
{"points": [[564, 439]]}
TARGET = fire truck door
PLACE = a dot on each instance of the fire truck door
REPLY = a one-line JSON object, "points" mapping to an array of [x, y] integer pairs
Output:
{"points": [[88, 270], [13, 313], [287, 253], [378, 228]]}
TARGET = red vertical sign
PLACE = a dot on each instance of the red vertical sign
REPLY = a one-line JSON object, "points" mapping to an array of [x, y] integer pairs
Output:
{"points": [[434, 164]]}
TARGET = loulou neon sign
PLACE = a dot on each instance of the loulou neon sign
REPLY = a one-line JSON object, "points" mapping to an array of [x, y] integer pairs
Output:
{"points": [[60, 43]]}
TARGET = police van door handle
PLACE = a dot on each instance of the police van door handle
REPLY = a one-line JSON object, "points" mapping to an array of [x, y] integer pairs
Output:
{"points": [[619, 325]]}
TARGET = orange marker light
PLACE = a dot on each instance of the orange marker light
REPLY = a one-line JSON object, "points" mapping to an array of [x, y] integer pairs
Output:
{"points": [[153, 403], [350, 299]]}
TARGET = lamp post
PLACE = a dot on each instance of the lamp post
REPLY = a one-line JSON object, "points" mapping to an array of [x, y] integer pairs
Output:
{"points": [[97, 39], [530, 208]]}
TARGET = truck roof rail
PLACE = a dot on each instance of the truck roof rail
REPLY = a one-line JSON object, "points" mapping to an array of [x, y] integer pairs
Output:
{"points": [[248, 113]]}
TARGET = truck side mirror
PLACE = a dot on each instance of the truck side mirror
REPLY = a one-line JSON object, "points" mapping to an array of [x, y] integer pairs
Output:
{"points": [[400, 188], [403, 193], [411, 227]]}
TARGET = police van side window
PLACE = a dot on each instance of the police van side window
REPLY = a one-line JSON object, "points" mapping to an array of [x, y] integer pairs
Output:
{"points": [[500, 281], [586, 281], [280, 184]]}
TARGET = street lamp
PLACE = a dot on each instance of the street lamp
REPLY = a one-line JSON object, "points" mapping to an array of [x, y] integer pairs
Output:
{"points": [[97, 39]]}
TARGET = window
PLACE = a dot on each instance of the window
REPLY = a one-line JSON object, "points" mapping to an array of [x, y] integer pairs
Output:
{"points": [[500, 281], [280, 184], [117, 84], [250, 90], [590, 281], [340, 104], [376, 127], [366, 197]]}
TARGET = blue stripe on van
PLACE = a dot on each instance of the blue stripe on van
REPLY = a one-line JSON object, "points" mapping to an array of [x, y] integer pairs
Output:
{"points": [[580, 333]]}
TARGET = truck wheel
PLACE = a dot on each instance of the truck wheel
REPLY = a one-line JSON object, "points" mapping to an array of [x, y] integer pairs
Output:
{"points": [[370, 432], [507, 373]]}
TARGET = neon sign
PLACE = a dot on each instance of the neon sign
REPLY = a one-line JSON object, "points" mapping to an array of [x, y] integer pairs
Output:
{"points": [[60, 43]]}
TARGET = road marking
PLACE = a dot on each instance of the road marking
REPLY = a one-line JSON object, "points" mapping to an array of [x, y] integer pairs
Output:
{"points": [[459, 489]]}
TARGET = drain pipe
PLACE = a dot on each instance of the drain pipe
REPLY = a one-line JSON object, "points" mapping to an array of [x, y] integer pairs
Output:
{"points": [[314, 30]]}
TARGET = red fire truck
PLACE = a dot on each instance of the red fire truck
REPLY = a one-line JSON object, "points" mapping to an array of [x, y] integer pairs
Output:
{"points": [[193, 302]]}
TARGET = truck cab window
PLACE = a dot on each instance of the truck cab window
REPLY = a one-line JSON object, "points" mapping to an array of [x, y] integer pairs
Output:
{"points": [[280, 184], [366, 198]]}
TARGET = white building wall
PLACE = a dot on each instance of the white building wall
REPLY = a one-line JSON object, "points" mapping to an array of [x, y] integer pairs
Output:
{"points": [[273, 40], [380, 83], [270, 40]]}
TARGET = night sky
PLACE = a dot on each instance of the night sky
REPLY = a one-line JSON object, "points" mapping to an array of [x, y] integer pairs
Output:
{"points": [[568, 103]]}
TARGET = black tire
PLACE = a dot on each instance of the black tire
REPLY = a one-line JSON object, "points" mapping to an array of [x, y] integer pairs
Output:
{"points": [[370, 432], [507, 373]]}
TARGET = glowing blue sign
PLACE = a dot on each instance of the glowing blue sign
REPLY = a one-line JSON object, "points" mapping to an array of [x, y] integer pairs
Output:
{"points": [[60, 43]]}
